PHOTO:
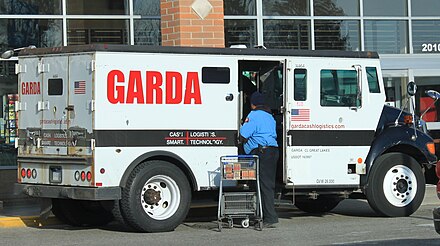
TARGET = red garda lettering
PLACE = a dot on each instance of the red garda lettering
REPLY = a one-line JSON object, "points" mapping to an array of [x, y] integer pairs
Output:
{"points": [[154, 83], [115, 93], [149, 91], [135, 87], [192, 90], [30, 88], [173, 88]]}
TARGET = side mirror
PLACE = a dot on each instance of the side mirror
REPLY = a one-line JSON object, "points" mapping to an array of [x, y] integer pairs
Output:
{"points": [[433, 94], [411, 88]]}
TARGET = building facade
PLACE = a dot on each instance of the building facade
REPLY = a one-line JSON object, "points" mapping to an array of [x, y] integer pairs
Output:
{"points": [[406, 33]]}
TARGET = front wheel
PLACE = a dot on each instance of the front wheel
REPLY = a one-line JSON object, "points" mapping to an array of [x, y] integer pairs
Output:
{"points": [[396, 185], [156, 198]]}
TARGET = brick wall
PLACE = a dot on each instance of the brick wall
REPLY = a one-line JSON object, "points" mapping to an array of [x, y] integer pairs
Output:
{"points": [[182, 26]]}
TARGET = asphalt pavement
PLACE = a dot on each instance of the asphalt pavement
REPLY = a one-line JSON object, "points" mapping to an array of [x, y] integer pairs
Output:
{"points": [[27, 214]]}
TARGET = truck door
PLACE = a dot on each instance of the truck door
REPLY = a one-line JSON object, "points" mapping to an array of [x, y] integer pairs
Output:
{"points": [[29, 114], [53, 105], [331, 120], [79, 109]]}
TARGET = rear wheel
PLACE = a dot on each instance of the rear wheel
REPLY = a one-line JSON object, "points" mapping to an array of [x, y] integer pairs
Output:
{"points": [[322, 204], [156, 198], [396, 185], [81, 213]]}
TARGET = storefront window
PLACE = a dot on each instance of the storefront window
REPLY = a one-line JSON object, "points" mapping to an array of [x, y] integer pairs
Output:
{"points": [[393, 90], [387, 37], [287, 34], [385, 8], [8, 120], [97, 7], [30, 7], [97, 31], [337, 35], [426, 35], [336, 7], [240, 7], [146, 8], [286, 7], [425, 8], [425, 104], [15, 33], [147, 32], [240, 32]]}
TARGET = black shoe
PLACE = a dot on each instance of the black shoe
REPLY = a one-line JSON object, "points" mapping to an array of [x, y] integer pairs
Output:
{"points": [[269, 225]]}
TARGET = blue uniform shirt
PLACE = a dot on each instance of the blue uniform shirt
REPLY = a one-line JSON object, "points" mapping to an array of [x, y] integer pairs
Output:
{"points": [[259, 129]]}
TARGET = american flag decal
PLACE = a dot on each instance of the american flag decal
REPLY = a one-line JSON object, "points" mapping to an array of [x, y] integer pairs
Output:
{"points": [[79, 87], [300, 115]]}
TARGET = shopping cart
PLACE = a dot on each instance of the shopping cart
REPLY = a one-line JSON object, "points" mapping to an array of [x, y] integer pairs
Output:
{"points": [[241, 201]]}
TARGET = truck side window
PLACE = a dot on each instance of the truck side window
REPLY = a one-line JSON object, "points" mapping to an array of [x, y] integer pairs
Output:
{"points": [[55, 87], [216, 75], [373, 81], [339, 88], [300, 85]]}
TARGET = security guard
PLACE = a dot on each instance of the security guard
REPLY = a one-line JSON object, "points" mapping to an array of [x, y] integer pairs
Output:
{"points": [[259, 136]]}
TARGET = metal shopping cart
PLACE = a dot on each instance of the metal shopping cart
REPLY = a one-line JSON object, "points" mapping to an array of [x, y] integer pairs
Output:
{"points": [[241, 201]]}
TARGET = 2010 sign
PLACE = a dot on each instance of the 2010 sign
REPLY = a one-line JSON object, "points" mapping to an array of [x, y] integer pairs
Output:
{"points": [[431, 47]]}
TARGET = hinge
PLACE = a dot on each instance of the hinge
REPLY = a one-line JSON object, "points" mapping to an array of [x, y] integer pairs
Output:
{"points": [[93, 65], [43, 68], [92, 105], [92, 144], [19, 106], [20, 68]]}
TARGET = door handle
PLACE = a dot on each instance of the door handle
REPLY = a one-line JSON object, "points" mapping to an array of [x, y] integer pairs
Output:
{"points": [[289, 140]]}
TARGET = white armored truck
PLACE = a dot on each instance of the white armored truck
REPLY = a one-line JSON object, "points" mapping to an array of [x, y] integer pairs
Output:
{"points": [[132, 131]]}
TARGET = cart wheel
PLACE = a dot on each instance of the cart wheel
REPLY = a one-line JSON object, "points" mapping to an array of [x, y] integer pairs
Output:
{"points": [[230, 223], [245, 223]]}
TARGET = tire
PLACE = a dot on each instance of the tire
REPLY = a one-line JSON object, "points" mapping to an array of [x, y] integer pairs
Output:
{"points": [[322, 204], [156, 197], [81, 213], [396, 185]]}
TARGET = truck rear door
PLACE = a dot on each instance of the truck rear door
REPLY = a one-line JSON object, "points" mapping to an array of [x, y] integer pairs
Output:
{"points": [[79, 108], [54, 137], [56, 106]]}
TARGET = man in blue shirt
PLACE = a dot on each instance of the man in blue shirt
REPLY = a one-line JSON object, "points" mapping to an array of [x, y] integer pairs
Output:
{"points": [[260, 138]]}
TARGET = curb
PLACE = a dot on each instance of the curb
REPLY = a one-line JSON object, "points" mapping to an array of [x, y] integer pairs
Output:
{"points": [[27, 221]]}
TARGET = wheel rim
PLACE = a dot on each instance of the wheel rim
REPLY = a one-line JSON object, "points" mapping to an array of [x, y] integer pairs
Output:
{"points": [[160, 197], [400, 185]]}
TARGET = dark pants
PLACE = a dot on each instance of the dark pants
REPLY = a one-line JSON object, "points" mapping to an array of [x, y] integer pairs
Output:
{"points": [[268, 168]]}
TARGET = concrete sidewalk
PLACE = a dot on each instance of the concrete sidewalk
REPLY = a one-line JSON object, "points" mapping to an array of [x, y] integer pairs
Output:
{"points": [[23, 215]]}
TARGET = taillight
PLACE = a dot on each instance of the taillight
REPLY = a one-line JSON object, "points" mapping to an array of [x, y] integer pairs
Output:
{"points": [[29, 173], [23, 173], [89, 176], [83, 175]]}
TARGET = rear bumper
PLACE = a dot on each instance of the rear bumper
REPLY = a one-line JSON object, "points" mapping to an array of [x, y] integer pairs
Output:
{"points": [[67, 192]]}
